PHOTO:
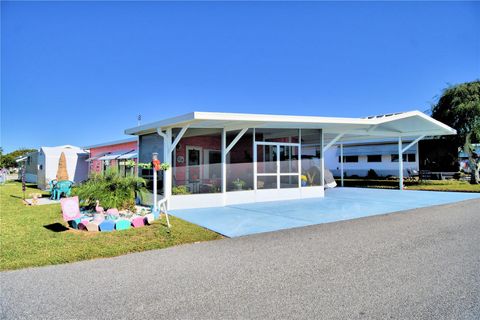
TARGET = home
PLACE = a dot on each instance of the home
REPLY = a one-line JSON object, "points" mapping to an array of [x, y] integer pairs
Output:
{"points": [[41, 166], [229, 158], [381, 156], [119, 155]]}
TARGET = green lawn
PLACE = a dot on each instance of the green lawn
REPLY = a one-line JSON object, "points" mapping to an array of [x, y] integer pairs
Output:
{"points": [[430, 185], [25, 242]]}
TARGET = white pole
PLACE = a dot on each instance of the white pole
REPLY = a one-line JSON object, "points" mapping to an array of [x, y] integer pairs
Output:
{"points": [[224, 161], [400, 163], [155, 196], [167, 174], [255, 155], [299, 156], [322, 182], [341, 164]]}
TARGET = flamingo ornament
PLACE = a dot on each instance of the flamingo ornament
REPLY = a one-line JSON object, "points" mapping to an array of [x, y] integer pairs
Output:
{"points": [[98, 208]]}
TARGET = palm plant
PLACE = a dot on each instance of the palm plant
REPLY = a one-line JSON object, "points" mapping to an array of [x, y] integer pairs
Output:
{"points": [[111, 189]]}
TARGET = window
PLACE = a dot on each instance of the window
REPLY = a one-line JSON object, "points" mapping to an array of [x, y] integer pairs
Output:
{"points": [[311, 158], [348, 159], [405, 157], [374, 158], [197, 164], [240, 162]]}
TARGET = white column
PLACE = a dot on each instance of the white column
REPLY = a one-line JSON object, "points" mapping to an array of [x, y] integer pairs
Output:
{"points": [[322, 182], [341, 164], [224, 161], [299, 155], [254, 162], [400, 163], [167, 158], [278, 165]]}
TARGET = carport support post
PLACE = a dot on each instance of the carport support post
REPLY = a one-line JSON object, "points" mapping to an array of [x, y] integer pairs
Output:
{"points": [[224, 162], [341, 164], [400, 163], [154, 157]]}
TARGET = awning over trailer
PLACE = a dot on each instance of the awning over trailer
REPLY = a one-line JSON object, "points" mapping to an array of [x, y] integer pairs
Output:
{"points": [[113, 155], [129, 155], [406, 124], [97, 157]]}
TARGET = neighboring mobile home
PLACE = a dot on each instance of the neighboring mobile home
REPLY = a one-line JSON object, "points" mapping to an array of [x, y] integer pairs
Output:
{"points": [[42, 165], [117, 154], [229, 158], [381, 156]]}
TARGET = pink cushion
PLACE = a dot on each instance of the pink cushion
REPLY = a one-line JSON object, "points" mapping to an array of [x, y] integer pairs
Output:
{"points": [[70, 208]]}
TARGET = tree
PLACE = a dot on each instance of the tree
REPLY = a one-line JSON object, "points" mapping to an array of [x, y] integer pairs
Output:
{"points": [[62, 173], [21, 152], [8, 160], [459, 107]]}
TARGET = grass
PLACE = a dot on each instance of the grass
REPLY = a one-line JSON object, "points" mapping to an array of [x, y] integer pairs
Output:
{"points": [[429, 185], [26, 242]]}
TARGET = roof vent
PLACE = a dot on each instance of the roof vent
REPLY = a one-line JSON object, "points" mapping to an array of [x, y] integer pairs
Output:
{"points": [[383, 115]]}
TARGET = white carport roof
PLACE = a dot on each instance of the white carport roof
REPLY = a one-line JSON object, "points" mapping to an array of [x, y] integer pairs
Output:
{"points": [[405, 124]]}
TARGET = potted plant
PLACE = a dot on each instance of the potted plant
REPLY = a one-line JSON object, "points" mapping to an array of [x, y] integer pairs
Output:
{"points": [[238, 184], [303, 179]]}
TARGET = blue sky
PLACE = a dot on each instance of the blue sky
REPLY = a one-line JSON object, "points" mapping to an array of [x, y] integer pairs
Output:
{"points": [[80, 72]]}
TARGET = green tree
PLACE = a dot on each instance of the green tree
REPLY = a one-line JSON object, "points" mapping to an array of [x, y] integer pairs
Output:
{"points": [[8, 160], [459, 107], [21, 152]]}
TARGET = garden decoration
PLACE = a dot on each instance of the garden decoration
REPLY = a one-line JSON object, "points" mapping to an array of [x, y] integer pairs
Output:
{"points": [[98, 208], [93, 226], [113, 212], [107, 225], [70, 208], [62, 173], [123, 224], [156, 164], [110, 220], [24, 187], [149, 218], [138, 222]]}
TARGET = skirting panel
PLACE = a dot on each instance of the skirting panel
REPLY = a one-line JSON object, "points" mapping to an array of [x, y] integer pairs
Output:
{"points": [[237, 197]]}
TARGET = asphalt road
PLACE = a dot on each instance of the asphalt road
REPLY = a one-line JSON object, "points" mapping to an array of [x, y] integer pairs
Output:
{"points": [[419, 264]]}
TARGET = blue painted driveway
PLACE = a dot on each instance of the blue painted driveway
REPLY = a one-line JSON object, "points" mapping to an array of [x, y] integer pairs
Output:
{"points": [[338, 204]]}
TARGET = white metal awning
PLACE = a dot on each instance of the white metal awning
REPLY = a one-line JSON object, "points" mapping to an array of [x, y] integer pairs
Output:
{"points": [[96, 157], [129, 155], [113, 155], [406, 124]]}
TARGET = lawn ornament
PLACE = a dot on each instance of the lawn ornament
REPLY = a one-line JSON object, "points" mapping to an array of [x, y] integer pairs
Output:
{"points": [[98, 208], [123, 224], [70, 208]]}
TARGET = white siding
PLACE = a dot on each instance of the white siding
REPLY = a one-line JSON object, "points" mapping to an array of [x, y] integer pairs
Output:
{"points": [[360, 168]]}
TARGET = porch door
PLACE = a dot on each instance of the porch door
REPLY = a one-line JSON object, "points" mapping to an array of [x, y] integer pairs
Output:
{"points": [[193, 164], [277, 165]]}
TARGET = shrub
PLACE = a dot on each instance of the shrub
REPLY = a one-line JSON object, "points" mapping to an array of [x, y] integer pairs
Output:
{"points": [[111, 189], [180, 190], [371, 174]]}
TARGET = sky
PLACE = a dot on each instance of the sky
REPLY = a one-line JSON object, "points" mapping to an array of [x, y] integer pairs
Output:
{"points": [[80, 72]]}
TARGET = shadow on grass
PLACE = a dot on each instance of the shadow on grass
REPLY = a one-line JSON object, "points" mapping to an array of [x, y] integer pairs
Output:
{"points": [[56, 227]]}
